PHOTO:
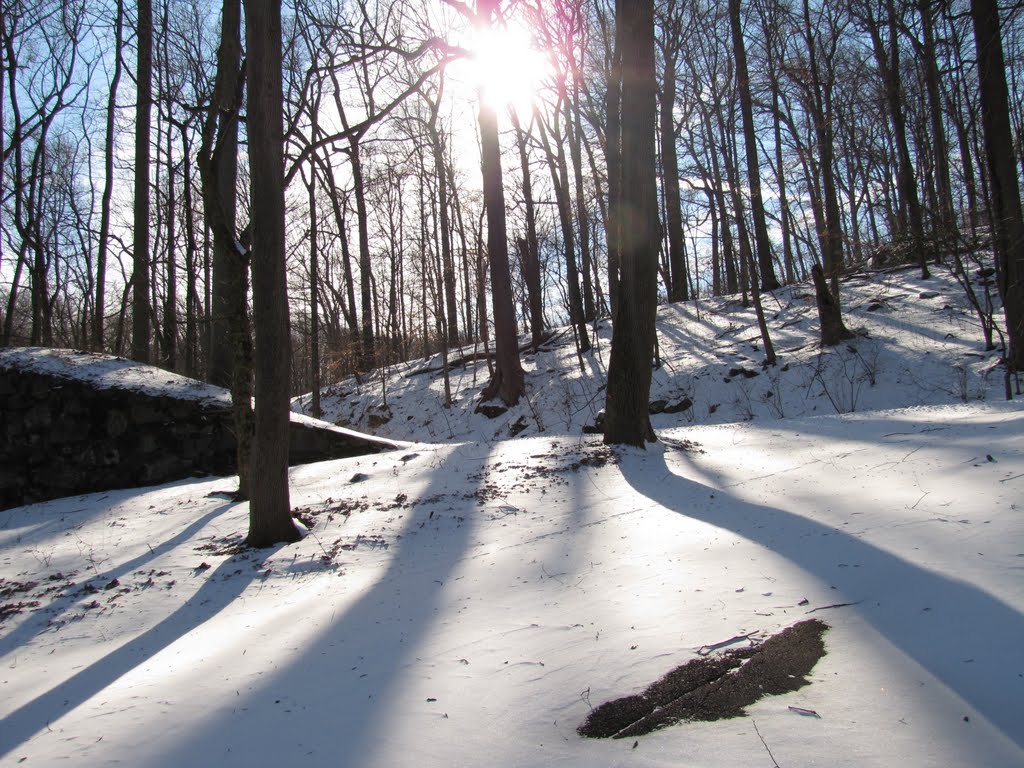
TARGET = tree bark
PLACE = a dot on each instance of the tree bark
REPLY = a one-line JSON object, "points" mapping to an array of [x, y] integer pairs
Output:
{"points": [[762, 245], [1008, 220], [270, 519], [230, 340], [367, 348], [560, 183], [507, 382], [141, 306], [627, 420], [218, 164], [314, 299], [670, 172], [833, 330], [613, 162], [528, 246], [103, 244]]}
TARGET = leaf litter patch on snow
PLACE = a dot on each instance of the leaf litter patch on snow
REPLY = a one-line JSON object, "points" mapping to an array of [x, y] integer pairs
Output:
{"points": [[715, 687]]}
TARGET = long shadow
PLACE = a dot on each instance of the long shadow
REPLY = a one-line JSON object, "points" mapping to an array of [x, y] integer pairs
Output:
{"points": [[364, 652], [40, 621], [955, 624], [216, 593]]}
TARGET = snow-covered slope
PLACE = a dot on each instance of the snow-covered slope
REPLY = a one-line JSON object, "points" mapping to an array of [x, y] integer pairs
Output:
{"points": [[921, 345], [468, 603]]}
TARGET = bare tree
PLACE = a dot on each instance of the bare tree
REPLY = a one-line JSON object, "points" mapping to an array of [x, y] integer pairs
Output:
{"points": [[270, 519], [103, 243], [231, 355], [1005, 188], [507, 382], [627, 420], [141, 305], [768, 281]]}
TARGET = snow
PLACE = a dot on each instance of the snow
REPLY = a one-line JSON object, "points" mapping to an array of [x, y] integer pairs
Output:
{"points": [[108, 372], [466, 602]]}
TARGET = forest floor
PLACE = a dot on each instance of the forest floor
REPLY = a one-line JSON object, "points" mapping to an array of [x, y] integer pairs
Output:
{"points": [[476, 600]]}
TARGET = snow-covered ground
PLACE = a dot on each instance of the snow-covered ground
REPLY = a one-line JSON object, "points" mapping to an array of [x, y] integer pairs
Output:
{"points": [[922, 345], [468, 602]]}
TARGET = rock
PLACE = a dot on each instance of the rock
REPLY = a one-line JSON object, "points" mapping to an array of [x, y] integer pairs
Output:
{"points": [[518, 426], [62, 434], [744, 372], [490, 410], [678, 407]]}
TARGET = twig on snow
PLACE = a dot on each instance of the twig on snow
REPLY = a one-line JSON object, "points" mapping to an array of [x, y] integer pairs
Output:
{"points": [[704, 650], [834, 605], [767, 748]]}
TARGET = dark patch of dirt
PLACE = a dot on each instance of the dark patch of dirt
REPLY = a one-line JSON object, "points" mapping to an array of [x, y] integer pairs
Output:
{"points": [[714, 687], [684, 446], [227, 546], [13, 609], [11, 588], [330, 507], [491, 411]]}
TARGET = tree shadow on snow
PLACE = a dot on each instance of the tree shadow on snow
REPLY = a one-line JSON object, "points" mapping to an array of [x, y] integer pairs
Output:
{"points": [[351, 672], [960, 623], [216, 592]]}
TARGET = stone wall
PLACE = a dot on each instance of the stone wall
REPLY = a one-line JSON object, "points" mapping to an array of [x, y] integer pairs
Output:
{"points": [[62, 433]]}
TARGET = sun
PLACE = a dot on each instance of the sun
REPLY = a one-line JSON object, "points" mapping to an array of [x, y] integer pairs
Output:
{"points": [[507, 67]]}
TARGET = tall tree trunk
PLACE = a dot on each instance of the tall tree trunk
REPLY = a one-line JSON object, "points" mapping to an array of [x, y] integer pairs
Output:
{"points": [[574, 128], [170, 329], [780, 178], [889, 65], [141, 306], [314, 299], [103, 244], [218, 164], [367, 352], [613, 162], [507, 381], [230, 344], [1005, 188], [560, 182], [627, 420], [831, 236], [443, 205], [528, 246], [670, 172], [270, 519], [192, 302], [763, 246], [945, 218]]}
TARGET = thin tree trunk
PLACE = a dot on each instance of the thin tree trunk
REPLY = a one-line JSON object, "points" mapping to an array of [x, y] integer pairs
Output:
{"points": [[528, 247], [314, 299], [613, 162], [141, 307], [560, 182], [769, 281], [103, 244], [170, 330], [670, 172], [192, 303], [367, 343]]}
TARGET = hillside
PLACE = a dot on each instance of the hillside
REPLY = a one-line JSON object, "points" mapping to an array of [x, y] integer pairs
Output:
{"points": [[474, 601], [920, 344]]}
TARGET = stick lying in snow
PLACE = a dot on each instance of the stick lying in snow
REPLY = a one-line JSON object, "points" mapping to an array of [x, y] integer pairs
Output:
{"points": [[704, 650], [834, 605]]}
